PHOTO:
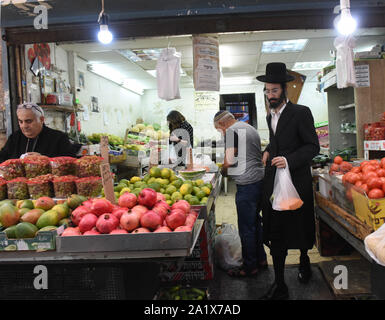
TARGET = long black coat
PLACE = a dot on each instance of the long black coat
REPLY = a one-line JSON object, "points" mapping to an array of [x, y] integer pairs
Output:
{"points": [[297, 141]]}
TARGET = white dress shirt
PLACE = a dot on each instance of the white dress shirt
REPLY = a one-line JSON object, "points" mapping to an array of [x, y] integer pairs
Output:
{"points": [[275, 117]]}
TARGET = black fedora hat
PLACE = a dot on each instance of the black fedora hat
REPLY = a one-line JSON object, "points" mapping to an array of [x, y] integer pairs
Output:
{"points": [[276, 73]]}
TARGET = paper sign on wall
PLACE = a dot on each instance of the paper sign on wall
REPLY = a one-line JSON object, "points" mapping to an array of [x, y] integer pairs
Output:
{"points": [[362, 75], [206, 63]]}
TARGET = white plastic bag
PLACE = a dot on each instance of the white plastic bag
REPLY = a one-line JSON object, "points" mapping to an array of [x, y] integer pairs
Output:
{"points": [[346, 74], [285, 196], [375, 245], [168, 74], [228, 247]]}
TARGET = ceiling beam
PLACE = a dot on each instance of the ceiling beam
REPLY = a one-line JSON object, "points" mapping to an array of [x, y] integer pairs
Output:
{"points": [[286, 20]]}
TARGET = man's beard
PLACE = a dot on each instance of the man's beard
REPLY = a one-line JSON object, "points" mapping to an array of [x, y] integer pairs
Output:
{"points": [[275, 103]]}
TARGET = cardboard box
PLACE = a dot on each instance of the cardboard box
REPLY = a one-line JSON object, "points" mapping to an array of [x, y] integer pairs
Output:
{"points": [[45, 240], [370, 211]]}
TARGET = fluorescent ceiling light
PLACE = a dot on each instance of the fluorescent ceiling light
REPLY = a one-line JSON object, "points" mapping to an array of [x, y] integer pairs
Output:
{"points": [[237, 81], [153, 73], [313, 65], [283, 46], [136, 55], [117, 77]]}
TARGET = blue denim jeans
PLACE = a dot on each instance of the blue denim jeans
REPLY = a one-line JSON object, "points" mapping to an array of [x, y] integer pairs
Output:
{"points": [[248, 202]]}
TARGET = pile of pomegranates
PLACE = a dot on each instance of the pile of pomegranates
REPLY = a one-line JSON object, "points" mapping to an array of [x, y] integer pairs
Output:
{"points": [[148, 212]]}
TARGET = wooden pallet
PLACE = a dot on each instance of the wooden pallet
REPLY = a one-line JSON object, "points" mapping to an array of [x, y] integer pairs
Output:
{"points": [[355, 226]]}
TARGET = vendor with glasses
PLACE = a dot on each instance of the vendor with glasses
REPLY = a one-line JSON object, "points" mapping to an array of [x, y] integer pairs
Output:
{"points": [[35, 138]]}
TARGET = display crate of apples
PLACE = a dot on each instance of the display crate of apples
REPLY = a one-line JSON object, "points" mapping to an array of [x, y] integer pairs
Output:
{"points": [[136, 223]]}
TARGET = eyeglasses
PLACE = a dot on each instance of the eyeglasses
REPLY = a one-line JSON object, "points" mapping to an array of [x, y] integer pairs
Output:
{"points": [[29, 106], [272, 91]]}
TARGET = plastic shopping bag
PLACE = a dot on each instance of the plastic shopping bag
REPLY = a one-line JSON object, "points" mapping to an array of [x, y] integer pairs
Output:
{"points": [[375, 245], [285, 196], [228, 248]]}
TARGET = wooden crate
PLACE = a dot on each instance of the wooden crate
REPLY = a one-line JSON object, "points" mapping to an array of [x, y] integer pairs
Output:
{"points": [[355, 226]]}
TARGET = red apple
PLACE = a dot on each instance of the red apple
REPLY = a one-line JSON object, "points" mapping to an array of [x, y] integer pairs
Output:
{"points": [[127, 200], [147, 197]]}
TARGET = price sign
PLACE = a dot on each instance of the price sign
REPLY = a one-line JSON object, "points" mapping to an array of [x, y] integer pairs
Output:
{"points": [[104, 148], [108, 182]]}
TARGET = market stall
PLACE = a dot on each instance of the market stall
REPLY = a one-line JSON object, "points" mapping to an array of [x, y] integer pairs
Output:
{"points": [[53, 228]]}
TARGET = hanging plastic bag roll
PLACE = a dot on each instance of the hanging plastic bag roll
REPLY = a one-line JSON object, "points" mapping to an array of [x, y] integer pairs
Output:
{"points": [[285, 196]]}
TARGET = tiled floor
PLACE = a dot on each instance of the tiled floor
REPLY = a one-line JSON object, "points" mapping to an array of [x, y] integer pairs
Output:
{"points": [[225, 212]]}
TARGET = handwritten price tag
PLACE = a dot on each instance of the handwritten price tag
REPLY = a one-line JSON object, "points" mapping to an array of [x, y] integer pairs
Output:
{"points": [[104, 148], [108, 182]]}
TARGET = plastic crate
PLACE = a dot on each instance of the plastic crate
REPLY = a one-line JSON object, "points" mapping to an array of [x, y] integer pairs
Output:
{"points": [[64, 282]]}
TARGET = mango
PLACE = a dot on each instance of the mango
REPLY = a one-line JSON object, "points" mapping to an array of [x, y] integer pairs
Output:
{"points": [[48, 218]]}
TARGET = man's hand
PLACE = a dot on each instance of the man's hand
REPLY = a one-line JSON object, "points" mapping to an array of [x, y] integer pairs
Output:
{"points": [[279, 162], [265, 156]]}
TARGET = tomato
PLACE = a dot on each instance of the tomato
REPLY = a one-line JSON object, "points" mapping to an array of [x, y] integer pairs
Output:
{"points": [[383, 163], [376, 193], [338, 160], [358, 183], [368, 175], [345, 166], [374, 183], [352, 177], [381, 172], [364, 188], [364, 163], [348, 195], [334, 167], [382, 179], [374, 162], [367, 168], [356, 170]]}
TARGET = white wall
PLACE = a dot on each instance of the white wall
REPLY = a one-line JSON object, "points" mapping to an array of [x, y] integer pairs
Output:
{"points": [[122, 106]]}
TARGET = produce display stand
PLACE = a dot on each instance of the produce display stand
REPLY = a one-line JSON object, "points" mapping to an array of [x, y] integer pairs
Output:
{"points": [[353, 231], [103, 273]]}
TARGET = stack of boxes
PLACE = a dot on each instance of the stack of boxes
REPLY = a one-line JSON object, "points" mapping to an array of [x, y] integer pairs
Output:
{"points": [[200, 264]]}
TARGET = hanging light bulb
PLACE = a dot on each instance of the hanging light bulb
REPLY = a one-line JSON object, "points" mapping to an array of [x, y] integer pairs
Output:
{"points": [[104, 35], [345, 23]]}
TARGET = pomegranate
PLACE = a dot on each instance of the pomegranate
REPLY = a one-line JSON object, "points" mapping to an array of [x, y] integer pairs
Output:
{"points": [[160, 197], [118, 231], [91, 232], [119, 212], [141, 230], [147, 197], [100, 206], [88, 204], [161, 208], [190, 220], [183, 229], [183, 205], [151, 220], [106, 223], [140, 210], [87, 222], [163, 229], [69, 232], [127, 200], [129, 221], [175, 219], [78, 214]]}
